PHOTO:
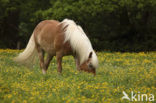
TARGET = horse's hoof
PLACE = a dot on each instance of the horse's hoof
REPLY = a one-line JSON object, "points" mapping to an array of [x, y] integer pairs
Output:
{"points": [[43, 71]]}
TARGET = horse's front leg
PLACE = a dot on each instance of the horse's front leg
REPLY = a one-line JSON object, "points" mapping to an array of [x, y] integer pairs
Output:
{"points": [[77, 63], [59, 62]]}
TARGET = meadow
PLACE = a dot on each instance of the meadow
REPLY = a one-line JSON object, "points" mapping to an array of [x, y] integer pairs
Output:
{"points": [[117, 72]]}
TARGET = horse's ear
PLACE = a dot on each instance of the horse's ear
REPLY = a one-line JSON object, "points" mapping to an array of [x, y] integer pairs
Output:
{"points": [[90, 55], [62, 27]]}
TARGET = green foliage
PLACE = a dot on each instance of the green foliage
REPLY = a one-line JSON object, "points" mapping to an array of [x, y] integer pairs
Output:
{"points": [[110, 24]]}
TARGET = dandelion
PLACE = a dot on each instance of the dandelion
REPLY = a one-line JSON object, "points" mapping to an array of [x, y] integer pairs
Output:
{"points": [[116, 72]]}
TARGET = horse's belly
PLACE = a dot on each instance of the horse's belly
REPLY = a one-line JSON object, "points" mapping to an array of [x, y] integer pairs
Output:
{"points": [[49, 49], [67, 50]]}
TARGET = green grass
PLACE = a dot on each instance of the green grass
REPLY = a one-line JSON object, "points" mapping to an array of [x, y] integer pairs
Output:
{"points": [[117, 72]]}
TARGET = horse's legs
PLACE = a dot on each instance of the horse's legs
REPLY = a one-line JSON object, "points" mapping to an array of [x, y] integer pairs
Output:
{"points": [[41, 57], [47, 62], [59, 62], [77, 63]]}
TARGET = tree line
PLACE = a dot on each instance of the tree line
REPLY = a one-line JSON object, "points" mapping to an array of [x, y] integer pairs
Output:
{"points": [[113, 25]]}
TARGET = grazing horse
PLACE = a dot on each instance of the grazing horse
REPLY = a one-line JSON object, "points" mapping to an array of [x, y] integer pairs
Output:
{"points": [[59, 39]]}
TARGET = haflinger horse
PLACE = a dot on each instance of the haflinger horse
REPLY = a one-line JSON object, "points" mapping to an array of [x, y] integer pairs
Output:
{"points": [[59, 39]]}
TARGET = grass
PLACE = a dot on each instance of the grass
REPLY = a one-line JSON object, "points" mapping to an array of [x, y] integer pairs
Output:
{"points": [[117, 72]]}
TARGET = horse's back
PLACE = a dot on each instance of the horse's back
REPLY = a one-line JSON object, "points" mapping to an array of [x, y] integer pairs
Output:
{"points": [[45, 28]]}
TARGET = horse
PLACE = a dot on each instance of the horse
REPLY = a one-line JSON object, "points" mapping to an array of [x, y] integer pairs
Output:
{"points": [[59, 39]]}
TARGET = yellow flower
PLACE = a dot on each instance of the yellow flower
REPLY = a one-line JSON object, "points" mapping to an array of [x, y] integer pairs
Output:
{"points": [[24, 101]]}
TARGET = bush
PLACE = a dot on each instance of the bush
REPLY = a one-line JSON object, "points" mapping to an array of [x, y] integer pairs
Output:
{"points": [[116, 25]]}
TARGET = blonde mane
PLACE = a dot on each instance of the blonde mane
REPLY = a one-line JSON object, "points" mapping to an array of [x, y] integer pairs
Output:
{"points": [[79, 42]]}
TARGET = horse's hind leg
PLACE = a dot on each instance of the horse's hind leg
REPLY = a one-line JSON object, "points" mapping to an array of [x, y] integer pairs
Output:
{"points": [[47, 62], [41, 57]]}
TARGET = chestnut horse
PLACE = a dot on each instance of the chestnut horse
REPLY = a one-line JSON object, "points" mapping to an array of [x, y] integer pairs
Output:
{"points": [[59, 39]]}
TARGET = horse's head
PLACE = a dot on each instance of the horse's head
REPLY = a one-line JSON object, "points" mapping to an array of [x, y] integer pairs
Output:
{"points": [[87, 66]]}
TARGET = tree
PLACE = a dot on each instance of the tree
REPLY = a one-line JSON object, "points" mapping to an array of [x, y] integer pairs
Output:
{"points": [[120, 25]]}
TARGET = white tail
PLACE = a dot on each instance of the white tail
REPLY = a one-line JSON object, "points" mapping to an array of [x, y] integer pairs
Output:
{"points": [[28, 55]]}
